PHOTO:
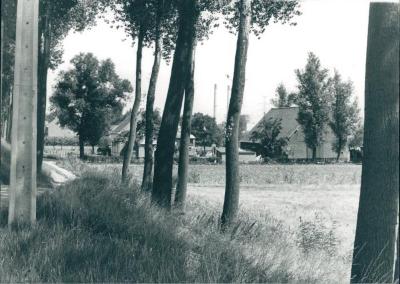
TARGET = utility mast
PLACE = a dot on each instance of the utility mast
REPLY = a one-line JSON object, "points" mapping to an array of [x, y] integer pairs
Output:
{"points": [[22, 197], [215, 102]]}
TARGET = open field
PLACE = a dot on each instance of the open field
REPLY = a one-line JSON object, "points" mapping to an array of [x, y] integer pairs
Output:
{"points": [[95, 229], [293, 194], [335, 206], [328, 193], [250, 174], [299, 226]]}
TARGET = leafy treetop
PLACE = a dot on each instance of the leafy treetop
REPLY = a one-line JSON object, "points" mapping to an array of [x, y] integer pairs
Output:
{"points": [[88, 96]]}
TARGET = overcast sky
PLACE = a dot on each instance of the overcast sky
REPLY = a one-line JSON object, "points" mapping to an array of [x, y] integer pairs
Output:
{"points": [[335, 30]]}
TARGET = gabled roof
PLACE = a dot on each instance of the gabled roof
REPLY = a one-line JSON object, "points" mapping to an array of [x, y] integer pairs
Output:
{"points": [[120, 127], [289, 124]]}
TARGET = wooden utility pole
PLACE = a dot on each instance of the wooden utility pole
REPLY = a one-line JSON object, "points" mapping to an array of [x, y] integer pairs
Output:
{"points": [[22, 195]]}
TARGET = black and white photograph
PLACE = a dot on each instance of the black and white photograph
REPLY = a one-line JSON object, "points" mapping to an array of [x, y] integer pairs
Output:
{"points": [[199, 141]]}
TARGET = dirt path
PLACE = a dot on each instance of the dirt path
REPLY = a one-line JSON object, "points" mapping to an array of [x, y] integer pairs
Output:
{"points": [[54, 174]]}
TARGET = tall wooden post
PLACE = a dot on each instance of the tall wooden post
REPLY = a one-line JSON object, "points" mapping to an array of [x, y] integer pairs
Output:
{"points": [[22, 195]]}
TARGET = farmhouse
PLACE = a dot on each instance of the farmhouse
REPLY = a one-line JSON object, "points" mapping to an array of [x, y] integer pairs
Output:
{"points": [[118, 137], [54, 130], [296, 149]]}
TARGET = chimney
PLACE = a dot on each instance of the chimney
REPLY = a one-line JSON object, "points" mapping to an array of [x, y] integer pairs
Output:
{"points": [[215, 102]]}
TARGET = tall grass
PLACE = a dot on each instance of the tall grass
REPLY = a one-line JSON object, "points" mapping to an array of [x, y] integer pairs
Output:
{"points": [[95, 229]]}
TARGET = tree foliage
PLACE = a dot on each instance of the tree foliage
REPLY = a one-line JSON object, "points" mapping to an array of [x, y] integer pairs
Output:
{"points": [[8, 18], [205, 129], [267, 136], [62, 16], [344, 112], [135, 16], [262, 13], [87, 96], [357, 137], [243, 121], [313, 99], [283, 98], [141, 127]]}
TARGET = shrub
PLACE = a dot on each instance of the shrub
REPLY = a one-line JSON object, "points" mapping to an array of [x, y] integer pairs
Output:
{"points": [[64, 141], [314, 235], [194, 177]]}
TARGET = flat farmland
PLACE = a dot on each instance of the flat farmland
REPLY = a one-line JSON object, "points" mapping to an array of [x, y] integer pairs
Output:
{"points": [[250, 174], [326, 194]]}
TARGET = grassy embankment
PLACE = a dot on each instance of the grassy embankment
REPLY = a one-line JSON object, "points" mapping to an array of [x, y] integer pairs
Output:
{"points": [[95, 229]]}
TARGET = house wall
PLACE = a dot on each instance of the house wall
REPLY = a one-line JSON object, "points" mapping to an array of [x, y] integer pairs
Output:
{"points": [[243, 158], [55, 130], [297, 148], [116, 148]]}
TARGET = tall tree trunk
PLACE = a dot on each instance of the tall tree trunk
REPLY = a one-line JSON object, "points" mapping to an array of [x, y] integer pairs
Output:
{"points": [[9, 120], [81, 147], [135, 108], [314, 153], [396, 267], [183, 167], [148, 146], [162, 182], [231, 201], [43, 66], [92, 149], [340, 145], [2, 132], [378, 212]]}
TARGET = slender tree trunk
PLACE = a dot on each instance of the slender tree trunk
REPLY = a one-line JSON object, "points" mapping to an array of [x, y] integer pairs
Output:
{"points": [[183, 167], [314, 153], [92, 149], [340, 145], [162, 182], [378, 213], [135, 108], [9, 120], [396, 267], [148, 146], [81, 147], [43, 66], [2, 130], [231, 201]]}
